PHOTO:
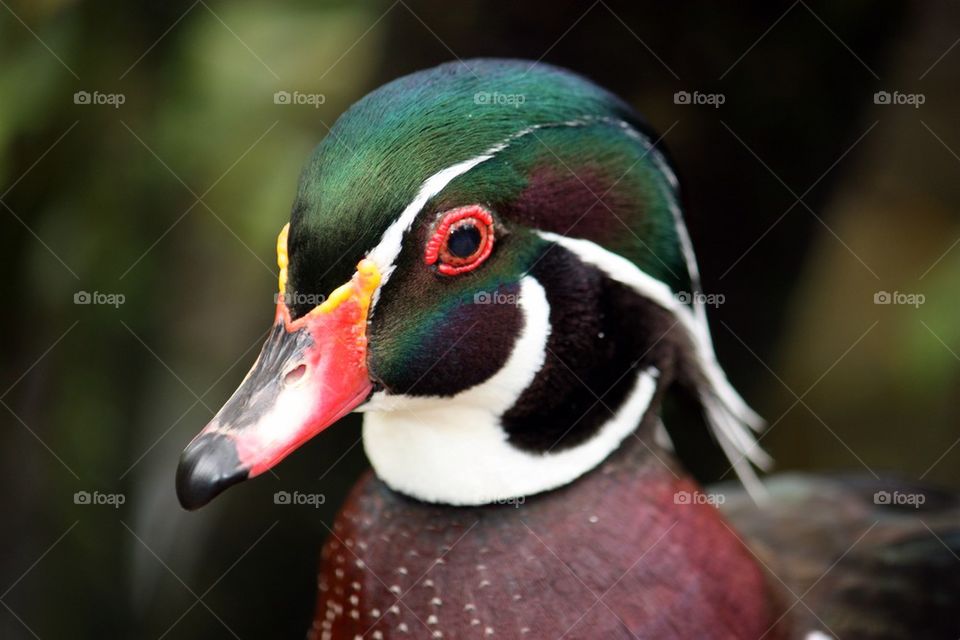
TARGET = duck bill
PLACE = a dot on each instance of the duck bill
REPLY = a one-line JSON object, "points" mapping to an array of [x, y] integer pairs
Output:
{"points": [[310, 373]]}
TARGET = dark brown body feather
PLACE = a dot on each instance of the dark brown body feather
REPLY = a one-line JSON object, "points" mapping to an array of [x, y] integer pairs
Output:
{"points": [[610, 556]]}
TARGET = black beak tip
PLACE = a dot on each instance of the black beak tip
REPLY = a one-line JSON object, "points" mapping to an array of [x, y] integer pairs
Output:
{"points": [[208, 466]]}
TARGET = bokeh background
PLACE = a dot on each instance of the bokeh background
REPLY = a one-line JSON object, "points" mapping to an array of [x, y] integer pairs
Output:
{"points": [[806, 196]]}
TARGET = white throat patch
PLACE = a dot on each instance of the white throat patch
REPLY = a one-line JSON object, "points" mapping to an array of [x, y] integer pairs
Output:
{"points": [[454, 451]]}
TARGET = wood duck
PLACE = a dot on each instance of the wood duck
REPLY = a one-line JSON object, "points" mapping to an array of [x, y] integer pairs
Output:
{"points": [[508, 291]]}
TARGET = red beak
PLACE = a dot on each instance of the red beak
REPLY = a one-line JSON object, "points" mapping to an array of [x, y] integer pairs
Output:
{"points": [[310, 373]]}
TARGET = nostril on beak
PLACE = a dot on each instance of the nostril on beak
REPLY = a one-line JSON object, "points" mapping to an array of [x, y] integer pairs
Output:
{"points": [[295, 375]]}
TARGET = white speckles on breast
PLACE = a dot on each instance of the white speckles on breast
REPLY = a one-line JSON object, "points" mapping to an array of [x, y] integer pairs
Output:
{"points": [[517, 597], [427, 583], [432, 619], [396, 589], [593, 519], [474, 622], [374, 613], [436, 601], [395, 610], [437, 634], [469, 607], [403, 628], [488, 631], [402, 571], [484, 584], [354, 600]]}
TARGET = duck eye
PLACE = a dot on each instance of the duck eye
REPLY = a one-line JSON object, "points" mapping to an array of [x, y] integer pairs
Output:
{"points": [[462, 240]]}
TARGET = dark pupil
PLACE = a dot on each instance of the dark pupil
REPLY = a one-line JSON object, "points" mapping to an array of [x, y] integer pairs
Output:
{"points": [[464, 241]]}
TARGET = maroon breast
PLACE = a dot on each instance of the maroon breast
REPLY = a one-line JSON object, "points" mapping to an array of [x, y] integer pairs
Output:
{"points": [[611, 556]]}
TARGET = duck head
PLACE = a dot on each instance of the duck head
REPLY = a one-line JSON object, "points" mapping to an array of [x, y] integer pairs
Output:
{"points": [[487, 259]]}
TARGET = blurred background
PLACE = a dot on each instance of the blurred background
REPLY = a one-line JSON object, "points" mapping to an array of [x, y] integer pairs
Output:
{"points": [[145, 169]]}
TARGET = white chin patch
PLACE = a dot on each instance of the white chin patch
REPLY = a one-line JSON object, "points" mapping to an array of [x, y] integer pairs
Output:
{"points": [[454, 451]]}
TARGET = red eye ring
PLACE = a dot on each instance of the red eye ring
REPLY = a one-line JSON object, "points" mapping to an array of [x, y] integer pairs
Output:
{"points": [[438, 252]]}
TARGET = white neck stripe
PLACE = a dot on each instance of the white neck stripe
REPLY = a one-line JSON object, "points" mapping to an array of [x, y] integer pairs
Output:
{"points": [[729, 417], [455, 451]]}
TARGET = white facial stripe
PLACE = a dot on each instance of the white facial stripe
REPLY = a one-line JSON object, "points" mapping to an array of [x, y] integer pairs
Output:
{"points": [[385, 253], [500, 391], [727, 413]]}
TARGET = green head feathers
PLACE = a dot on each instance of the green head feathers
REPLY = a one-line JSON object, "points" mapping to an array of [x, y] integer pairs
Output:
{"points": [[584, 147]]}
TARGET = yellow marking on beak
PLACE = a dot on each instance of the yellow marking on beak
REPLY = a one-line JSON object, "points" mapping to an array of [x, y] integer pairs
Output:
{"points": [[282, 259], [360, 288]]}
